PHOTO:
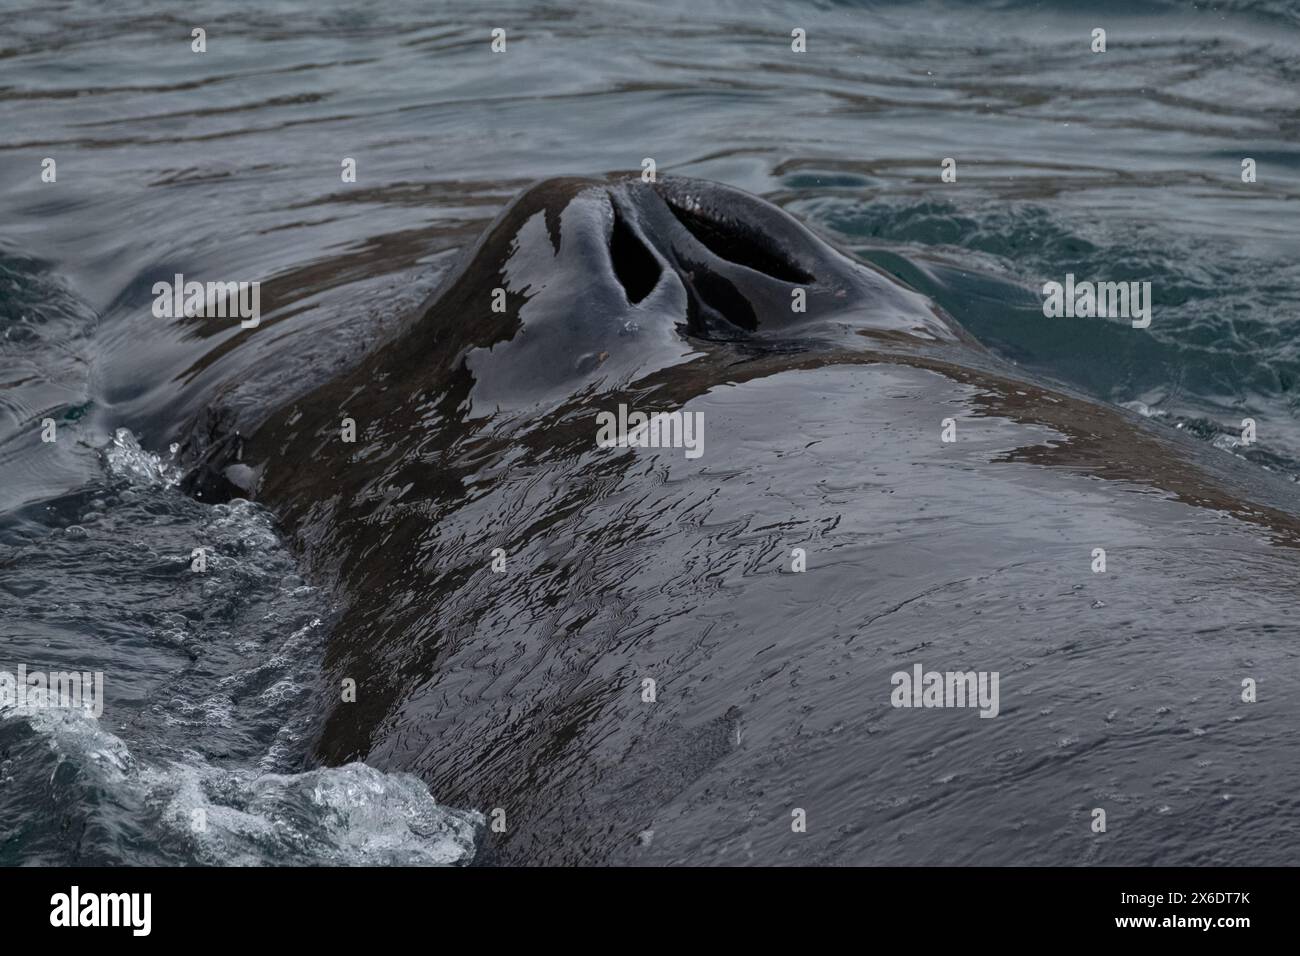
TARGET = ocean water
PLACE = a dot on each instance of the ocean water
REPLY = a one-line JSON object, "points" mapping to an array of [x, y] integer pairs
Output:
{"points": [[1124, 165]]}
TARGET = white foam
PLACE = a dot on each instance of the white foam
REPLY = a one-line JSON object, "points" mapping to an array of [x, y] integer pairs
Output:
{"points": [[349, 815], [126, 459]]}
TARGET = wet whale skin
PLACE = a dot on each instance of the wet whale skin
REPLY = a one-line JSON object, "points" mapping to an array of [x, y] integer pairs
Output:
{"points": [[523, 689]]}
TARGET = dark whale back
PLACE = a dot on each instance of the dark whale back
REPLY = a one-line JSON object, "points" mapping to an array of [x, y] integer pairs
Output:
{"points": [[520, 685]]}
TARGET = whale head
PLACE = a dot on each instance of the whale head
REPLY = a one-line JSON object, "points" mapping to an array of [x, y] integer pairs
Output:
{"points": [[588, 283], [583, 290]]}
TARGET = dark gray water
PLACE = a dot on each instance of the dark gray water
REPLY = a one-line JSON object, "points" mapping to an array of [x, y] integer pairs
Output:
{"points": [[1119, 691]]}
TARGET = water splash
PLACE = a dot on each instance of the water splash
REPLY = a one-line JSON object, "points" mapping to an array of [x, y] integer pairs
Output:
{"points": [[126, 459], [206, 814]]}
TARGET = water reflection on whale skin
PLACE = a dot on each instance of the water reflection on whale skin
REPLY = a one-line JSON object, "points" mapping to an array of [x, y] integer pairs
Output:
{"points": [[523, 688]]}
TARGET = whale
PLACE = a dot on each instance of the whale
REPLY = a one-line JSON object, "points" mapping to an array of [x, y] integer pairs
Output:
{"points": [[624, 654]]}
